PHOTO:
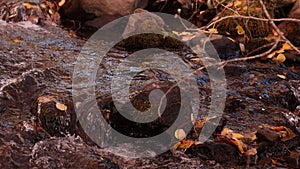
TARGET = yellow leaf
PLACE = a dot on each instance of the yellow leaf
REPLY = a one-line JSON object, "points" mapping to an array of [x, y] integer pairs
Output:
{"points": [[240, 145], [176, 145], [281, 76], [50, 11], [43, 6], [240, 30], [226, 131], [213, 30], [237, 3], [180, 134], [61, 106], [17, 41], [271, 55], [61, 3], [286, 46], [280, 58], [245, 8], [281, 50], [237, 135], [27, 5]]}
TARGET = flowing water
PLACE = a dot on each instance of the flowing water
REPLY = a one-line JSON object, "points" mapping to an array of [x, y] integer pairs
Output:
{"points": [[40, 62]]}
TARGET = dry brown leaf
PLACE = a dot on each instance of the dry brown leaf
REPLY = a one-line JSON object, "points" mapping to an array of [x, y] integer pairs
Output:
{"points": [[185, 144]]}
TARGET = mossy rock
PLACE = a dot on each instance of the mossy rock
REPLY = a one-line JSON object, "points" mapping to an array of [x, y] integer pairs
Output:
{"points": [[149, 40], [255, 43], [253, 28]]}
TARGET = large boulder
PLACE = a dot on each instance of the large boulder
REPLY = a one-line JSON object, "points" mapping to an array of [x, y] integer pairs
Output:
{"points": [[107, 7]]}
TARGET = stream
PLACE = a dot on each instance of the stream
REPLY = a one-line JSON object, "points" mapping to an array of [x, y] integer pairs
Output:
{"points": [[39, 62]]}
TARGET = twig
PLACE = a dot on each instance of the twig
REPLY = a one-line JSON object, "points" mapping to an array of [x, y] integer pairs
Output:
{"points": [[260, 48], [276, 28], [255, 56], [248, 17]]}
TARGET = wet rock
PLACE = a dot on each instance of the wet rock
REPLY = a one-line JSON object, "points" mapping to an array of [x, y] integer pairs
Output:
{"points": [[106, 7], [267, 134], [225, 47], [220, 152], [289, 28], [67, 153], [54, 116], [40, 62], [142, 103], [295, 86], [293, 160]]}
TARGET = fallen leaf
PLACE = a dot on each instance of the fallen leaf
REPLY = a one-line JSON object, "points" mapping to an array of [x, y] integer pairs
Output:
{"points": [[245, 8], [226, 131], [185, 144], [176, 145], [213, 30], [271, 55], [237, 3], [240, 30], [61, 106], [281, 76], [51, 12], [280, 58], [27, 5], [178, 11], [276, 128], [61, 3], [286, 46], [180, 134], [17, 41], [240, 145], [284, 132]]}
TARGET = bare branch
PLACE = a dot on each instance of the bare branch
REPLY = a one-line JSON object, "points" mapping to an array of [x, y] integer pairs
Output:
{"points": [[280, 34], [248, 17]]}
